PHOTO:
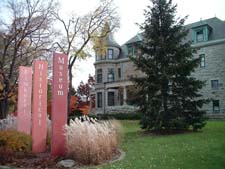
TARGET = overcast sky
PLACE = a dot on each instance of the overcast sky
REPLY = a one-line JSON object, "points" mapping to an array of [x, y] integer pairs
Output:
{"points": [[131, 12]]}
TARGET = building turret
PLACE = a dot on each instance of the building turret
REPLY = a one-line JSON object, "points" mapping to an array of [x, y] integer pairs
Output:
{"points": [[107, 48]]}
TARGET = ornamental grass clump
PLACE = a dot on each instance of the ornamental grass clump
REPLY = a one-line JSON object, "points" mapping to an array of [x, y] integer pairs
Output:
{"points": [[89, 141]]}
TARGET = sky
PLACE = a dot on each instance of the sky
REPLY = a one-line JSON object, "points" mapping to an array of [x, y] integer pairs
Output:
{"points": [[131, 12]]}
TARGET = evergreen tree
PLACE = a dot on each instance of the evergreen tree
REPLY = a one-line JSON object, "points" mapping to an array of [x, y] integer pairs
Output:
{"points": [[170, 95]]}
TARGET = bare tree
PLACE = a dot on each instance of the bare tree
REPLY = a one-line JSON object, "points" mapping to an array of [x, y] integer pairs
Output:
{"points": [[79, 31], [24, 37]]}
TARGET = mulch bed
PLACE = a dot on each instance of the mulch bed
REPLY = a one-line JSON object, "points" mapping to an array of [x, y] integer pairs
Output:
{"points": [[28, 160], [39, 161]]}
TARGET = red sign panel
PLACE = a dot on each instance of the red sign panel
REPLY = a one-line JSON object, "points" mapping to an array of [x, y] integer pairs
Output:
{"points": [[24, 100], [39, 113], [59, 103]]}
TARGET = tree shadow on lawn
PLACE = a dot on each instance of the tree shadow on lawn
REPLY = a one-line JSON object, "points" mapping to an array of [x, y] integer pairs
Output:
{"points": [[132, 135], [168, 132]]}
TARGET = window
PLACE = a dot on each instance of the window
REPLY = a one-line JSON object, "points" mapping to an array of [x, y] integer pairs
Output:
{"points": [[199, 35], [119, 73], [100, 55], [103, 57], [110, 75], [110, 53], [99, 99], [99, 75], [202, 57], [216, 106], [135, 50], [215, 84], [111, 99], [130, 50]]}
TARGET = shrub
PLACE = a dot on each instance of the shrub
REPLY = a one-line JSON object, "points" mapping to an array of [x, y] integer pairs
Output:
{"points": [[89, 141], [120, 116], [75, 113], [15, 141]]}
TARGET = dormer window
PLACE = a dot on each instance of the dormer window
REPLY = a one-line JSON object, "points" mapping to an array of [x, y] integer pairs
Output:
{"points": [[133, 49], [110, 53], [199, 36], [201, 33], [130, 50]]}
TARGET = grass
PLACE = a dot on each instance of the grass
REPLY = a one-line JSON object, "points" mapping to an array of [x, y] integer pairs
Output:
{"points": [[201, 150]]}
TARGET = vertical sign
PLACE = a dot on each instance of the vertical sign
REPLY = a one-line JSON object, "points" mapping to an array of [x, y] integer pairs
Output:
{"points": [[24, 100], [39, 113], [59, 103]]}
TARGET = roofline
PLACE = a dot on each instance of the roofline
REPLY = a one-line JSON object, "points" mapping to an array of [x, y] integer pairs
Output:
{"points": [[203, 21], [127, 42], [209, 43]]}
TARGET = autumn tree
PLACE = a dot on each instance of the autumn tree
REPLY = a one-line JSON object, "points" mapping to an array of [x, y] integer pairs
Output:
{"points": [[83, 90], [81, 31], [100, 41], [24, 35], [83, 94]]}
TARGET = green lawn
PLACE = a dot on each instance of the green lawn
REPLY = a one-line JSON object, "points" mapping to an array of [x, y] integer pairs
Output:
{"points": [[202, 150]]}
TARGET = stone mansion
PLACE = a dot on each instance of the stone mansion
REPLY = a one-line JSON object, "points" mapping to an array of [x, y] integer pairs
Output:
{"points": [[113, 71]]}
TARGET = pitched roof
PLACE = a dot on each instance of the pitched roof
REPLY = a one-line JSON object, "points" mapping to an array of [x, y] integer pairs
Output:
{"points": [[124, 51], [217, 26], [111, 42], [134, 39]]}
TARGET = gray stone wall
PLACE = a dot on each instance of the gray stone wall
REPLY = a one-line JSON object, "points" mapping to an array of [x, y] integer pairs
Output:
{"points": [[128, 69], [104, 67], [116, 52], [214, 70], [126, 66]]}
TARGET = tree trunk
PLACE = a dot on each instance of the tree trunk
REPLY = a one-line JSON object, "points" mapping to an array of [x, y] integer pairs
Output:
{"points": [[70, 88], [3, 108], [4, 101], [165, 101]]}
